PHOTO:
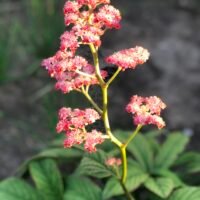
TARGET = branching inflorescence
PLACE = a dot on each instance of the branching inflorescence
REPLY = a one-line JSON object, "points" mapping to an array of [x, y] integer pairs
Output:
{"points": [[88, 20]]}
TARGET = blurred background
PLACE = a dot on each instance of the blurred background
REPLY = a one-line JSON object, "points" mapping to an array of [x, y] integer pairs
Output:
{"points": [[30, 31]]}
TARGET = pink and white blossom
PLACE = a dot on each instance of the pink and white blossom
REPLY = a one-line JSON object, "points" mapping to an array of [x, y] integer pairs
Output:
{"points": [[146, 110], [73, 122], [129, 58]]}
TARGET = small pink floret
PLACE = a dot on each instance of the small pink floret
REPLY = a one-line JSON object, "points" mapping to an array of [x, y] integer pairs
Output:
{"points": [[89, 34], [71, 12], [73, 119], [113, 161], [71, 7], [108, 16], [74, 137], [92, 139], [68, 41]]}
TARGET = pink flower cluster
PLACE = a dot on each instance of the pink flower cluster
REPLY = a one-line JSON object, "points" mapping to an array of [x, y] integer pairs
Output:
{"points": [[129, 58], [113, 161], [74, 123], [146, 110], [70, 72], [89, 24]]}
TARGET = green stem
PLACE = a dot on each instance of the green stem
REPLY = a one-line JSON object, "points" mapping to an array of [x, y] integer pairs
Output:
{"points": [[129, 197], [124, 156], [133, 135], [105, 117], [116, 141], [104, 89], [124, 164], [96, 64], [124, 172], [114, 76], [89, 98]]}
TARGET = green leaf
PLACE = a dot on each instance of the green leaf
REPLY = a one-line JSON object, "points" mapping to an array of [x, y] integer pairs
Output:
{"points": [[187, 193], [154, 133], [190, 162], [47, 178], [57, 153], [160, 186], [115, 152], [16, 189], [174, 177], [135, 178], [153, 142], [142, 151], [94, 165], [81, 188], [133, 164], [175, 144]]}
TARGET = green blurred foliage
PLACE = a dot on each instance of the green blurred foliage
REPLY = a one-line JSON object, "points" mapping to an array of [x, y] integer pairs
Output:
{"points": [[9, 38], [31, 39], [44, 26], [28, 37], [4, 53]]}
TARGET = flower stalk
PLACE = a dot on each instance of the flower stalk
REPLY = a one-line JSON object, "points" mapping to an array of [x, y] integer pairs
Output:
{"points": [[104, 88], [89, 98], [96, 64], [124, 164], [114, 76], [89, 21], [128, 195], [133, 135]]}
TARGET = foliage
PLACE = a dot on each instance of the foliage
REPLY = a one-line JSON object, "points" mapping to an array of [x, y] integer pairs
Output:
{"points": [[32, 37], [86, 180], [8, 38], [41, 15], [4, 54]]}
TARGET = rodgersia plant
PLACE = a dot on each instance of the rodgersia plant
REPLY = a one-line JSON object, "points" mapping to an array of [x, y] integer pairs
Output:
{"points": [[87, 21]]}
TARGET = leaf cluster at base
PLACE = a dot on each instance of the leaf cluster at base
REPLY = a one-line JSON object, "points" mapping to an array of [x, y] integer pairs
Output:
{"points": [[156, 171]]}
